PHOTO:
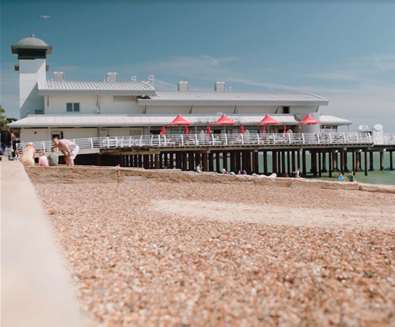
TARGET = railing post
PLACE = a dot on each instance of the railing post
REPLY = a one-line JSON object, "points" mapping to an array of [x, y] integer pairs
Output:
{"points": [[196, 140], [159, 140], [165, 140], [303, 139], [91, 142], [141, 140], [212, 139], [258, 139], [242, 138], [108, 141], [182, 139], [226, 139], [318, 139]]}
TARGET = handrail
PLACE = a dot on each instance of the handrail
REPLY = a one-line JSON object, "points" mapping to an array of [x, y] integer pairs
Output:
{"points": [[218, 140]]}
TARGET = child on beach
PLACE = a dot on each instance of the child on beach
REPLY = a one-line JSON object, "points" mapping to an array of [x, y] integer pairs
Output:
{"points": [[43, 160], [28, 155]]}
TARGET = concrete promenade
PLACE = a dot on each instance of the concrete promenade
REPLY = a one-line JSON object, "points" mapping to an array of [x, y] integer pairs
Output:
{"points": [[36, 288]]}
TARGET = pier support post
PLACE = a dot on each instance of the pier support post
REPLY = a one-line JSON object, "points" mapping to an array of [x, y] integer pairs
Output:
{"points": [[304, 170], [330, 163], [293, 162], [354, 165], [342, 161], [225, 160], [381, 160], [210, 161], [391, 160], [283, 164], [255, 162], [319, 163], [265, 167], [366, 163]]}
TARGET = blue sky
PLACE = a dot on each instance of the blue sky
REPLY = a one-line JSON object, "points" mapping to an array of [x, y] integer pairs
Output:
{"points": [[343, 50]]}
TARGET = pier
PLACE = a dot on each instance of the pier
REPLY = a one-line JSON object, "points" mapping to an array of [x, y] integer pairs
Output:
{"points": [[284, 154]]}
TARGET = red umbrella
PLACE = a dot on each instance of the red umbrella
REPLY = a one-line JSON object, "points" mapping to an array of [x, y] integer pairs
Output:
{"points": [[242, 129], [186, 129], [209, 130], [309, 120], [267, 121], [162, 131], [179, 120], [224, 120]]}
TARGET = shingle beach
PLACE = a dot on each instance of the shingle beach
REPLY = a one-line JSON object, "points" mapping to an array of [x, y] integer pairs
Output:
{"points": [[156, 251]]}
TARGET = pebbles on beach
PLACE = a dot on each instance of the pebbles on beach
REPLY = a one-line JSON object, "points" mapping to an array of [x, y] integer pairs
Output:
{"points": [[149, 252]]}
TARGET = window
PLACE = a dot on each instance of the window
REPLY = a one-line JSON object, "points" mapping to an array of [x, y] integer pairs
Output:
{"points": [[72, 107], [38, 111], [286, 110]]}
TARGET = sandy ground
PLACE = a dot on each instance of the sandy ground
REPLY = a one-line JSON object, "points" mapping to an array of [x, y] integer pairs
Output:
{"points": [[150, 252]]}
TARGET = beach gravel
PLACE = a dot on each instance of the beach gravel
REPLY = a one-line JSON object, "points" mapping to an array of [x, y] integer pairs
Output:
{"points": [[153, 252]]}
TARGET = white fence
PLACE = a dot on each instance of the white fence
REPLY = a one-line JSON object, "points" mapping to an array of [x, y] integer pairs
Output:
{"points": [[219, 140]]}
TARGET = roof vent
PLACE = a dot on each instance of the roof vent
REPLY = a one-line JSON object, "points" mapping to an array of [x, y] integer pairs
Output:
{"points": [[111, 77], [58, 76], [219, 86], [182, 86]]}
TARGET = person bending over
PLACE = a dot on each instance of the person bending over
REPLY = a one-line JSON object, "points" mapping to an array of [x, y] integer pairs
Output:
{"points": [[68, 148]]}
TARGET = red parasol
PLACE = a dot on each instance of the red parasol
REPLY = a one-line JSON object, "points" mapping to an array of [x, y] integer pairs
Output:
{"points": [[224, 120], [309, 120], [269, 120], [179, 120]]}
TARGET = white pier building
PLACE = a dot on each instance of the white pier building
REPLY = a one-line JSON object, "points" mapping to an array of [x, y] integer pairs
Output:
{"points": [[53, 104]]}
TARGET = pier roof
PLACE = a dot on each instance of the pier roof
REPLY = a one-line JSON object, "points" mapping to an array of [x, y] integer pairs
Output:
{"points": [[45, 121], [99, 87], [272, 97]]}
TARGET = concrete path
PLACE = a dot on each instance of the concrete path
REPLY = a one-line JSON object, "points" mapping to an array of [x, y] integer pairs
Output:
{"points": [[36, 288]]}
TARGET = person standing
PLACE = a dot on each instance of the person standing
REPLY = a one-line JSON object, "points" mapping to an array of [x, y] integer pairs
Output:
{"points": [[68, 148]]}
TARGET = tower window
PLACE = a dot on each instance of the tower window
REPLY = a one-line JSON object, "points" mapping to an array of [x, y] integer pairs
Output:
{"points": [[72, 107], [286, 110]]}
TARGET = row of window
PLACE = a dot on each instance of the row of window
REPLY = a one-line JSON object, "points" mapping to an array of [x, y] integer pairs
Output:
{"points": [[75, 107]]}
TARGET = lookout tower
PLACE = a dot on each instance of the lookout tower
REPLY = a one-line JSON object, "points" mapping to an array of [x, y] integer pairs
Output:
{"points": [[32, 56]]}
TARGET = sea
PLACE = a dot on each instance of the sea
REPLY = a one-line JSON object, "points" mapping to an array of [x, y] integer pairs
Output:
{"points": [[386, 177]]}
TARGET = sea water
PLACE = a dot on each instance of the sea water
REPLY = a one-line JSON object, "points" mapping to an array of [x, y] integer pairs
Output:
{"points": [[374, 177]]}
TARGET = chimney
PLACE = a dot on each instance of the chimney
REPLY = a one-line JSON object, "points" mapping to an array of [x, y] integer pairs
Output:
{"points": [[58, 76], [219, 86], [111, 77], [182, 86]]}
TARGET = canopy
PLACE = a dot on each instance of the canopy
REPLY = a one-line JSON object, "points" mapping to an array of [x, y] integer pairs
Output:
{"points": [[309, 120], [224, 120], [269, 120], [179, 120]]}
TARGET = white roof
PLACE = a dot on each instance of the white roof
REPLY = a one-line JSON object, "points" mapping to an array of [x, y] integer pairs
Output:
{"points": [[98, 87], [272, 97], [150, 120]]}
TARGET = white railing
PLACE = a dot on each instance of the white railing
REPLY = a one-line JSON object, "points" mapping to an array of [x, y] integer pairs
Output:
{"points": [[389, 139], [216, 140]]}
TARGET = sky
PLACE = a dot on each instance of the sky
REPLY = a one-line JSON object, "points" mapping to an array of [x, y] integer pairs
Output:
{"points": [[343, 50]]}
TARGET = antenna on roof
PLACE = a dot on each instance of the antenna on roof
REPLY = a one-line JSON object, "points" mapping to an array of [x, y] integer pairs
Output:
{"points": [[151, 79]]}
